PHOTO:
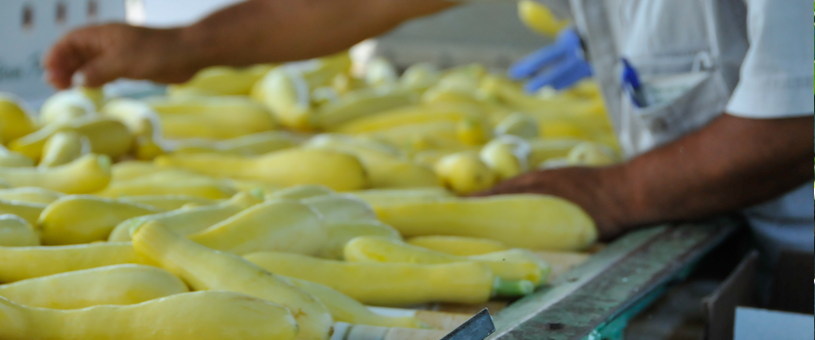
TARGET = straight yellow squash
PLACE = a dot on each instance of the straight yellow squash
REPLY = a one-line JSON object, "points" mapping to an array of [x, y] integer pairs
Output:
{"points": [[20, 263], [125, 284], [458, 245], [336, 170], [87, 174], [384, 250], [388, 284], [167, 202], [200, 316], [80, 219], [30, 194], [170, 182], [345, 309], [520, 221]]}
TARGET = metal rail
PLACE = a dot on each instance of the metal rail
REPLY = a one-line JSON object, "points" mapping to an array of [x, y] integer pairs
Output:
{"points": [[595, 300]]}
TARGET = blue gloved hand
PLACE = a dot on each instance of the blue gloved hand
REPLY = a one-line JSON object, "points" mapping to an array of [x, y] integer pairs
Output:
{"points": [[559, 65]]}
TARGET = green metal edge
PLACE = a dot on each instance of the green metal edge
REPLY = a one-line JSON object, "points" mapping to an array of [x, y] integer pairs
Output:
{"points": [[596, 300]]}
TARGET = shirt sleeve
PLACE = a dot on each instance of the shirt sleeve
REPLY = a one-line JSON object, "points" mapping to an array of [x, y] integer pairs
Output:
{"points": [[777, 74]]}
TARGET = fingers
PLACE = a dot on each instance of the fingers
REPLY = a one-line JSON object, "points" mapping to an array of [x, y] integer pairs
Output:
{"points": [[553, 74], [101, 71], [70, 54], [531, 64], [583, 70], [61, 63], [518, 185]]}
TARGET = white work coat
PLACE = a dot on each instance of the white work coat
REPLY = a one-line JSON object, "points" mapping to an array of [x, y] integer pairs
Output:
{"points": [[702, 58]]}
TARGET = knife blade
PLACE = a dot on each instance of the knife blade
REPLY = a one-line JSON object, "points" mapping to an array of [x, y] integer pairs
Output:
{"points": [[478, 327]]}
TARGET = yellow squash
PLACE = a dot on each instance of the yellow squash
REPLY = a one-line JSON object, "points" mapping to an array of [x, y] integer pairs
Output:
{"points": [[14, 121], [543, 150], [106, 135], [83, 218], [66, 105], [211, 117], [137, 115], [12, 159], [465, 173], [341, 208], [124, 284], [64, 147], [345, 309], [28, 211], [363, 102], [171, 182], [521, 221], [385, 167], [338, 171], [20, 263], [415, 114], [458, 245], [390, 284], [16, 232], [303, 191], [274, 225], [167, 202], [420, 76], [378, 197], [87, 174], [339, 233], [518, 124], [206, 269], [221, 81], [199, 316], [379, 249], [30, 194], [380, 72], [591, 154], [285, 92], [142, 122], [540, 18], [188, 221], [127, 170], [249, 145], [507, 156]]}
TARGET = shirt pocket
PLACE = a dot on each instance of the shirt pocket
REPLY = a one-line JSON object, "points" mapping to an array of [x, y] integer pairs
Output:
{"points": [[679, 104]]}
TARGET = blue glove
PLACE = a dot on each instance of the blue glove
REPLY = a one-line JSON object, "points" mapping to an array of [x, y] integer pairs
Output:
{"points": [[559, 65]]}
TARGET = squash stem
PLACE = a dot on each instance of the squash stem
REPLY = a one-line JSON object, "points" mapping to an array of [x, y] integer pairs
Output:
{"points": [[507, 288]]}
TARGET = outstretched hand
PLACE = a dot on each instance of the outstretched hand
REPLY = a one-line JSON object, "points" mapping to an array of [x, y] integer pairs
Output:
{"points": [[586, 187], [108, 52]]}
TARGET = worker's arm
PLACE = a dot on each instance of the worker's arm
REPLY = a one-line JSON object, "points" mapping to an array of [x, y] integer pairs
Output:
{"points": [[254, 31], [730, 164]]}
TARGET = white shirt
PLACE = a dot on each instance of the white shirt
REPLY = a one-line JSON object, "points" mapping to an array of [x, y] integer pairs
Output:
{"points": [[749, 58]]}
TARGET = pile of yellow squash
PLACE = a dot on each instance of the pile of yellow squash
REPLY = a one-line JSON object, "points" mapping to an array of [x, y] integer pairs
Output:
{"points": [[273, 201]]}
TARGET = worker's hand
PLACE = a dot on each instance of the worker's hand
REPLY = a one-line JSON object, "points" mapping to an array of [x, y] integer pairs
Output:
{"points": [[559, 65], [109, 52], [582, 186]]}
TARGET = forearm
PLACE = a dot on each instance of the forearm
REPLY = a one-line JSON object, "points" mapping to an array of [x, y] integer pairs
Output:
{"points": [[730, 164], [264, 31]]}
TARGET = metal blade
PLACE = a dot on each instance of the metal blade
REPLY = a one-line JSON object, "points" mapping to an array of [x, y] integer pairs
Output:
{"points": [[478, 327]]}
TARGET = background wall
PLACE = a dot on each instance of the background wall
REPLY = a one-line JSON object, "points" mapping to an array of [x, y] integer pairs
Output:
{"points": [[489, 33]]}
